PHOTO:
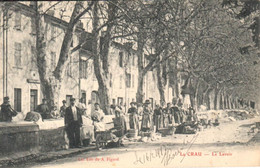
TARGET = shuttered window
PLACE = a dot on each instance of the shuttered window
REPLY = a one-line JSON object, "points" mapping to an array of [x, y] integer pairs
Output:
{"points": [[18, 99], [17, 24], [17, 54], [121, 59], [34, 99]]}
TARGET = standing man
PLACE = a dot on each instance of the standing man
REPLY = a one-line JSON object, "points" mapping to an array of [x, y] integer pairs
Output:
{"points": [[158, 117], [73, 122], [63, 108], [6, 111], [43, 109]]}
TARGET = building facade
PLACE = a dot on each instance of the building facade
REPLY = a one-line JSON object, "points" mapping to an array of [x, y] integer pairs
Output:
{"points": [[19, 74]]}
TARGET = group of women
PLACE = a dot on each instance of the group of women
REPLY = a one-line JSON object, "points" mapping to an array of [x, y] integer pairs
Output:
{"points": [[161, 117]]}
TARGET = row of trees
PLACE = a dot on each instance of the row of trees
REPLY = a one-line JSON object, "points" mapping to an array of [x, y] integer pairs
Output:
{"points": [[209, 41]]}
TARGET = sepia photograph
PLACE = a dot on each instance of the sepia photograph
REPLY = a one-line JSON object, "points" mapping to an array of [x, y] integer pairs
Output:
{"points": [[129, 83]]}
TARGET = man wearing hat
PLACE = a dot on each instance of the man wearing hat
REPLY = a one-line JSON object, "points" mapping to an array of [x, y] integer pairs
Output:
{"points": [[63, 108], [133, 117], [43, 109], [6, 111], [73, 122]]}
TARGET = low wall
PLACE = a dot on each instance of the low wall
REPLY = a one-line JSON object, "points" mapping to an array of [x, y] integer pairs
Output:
{"points": [[33, 137], [18, 137]]}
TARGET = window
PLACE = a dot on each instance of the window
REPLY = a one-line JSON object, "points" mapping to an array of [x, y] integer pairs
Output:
{"points": [[128, 80], [69, 69], [111, 82], [34, 99], [83, 68], [133, 81], [68, 97], [121, 59], [121, 81], [128, 59], [33, 58], [133, 60], [17, 54], [83, 96], [114, 101], [53, 60], [18, 99], [17, 24], [33, 26], [120, 101]]}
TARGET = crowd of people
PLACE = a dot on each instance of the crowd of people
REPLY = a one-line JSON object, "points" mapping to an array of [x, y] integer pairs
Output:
{"points": [[142, 117], [162, 116]]}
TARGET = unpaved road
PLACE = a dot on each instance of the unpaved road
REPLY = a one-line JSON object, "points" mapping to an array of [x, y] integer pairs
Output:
{"points": [[229, 144]]}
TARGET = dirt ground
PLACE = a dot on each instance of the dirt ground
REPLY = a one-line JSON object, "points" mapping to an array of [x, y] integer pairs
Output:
{"points": [[233, 143]]}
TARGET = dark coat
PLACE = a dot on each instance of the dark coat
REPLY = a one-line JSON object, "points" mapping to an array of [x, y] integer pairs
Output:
{"points": [[69, 116], [7, 112]]}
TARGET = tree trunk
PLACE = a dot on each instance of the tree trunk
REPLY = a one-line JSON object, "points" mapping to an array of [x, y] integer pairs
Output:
{"points": [[160, 82], [51, 80], [224, 99], [101, 71], [232, 102], [221, 104], [216, 98], [140, 87], [196, 94], [204, 95], [207, 97], [176, 84]]}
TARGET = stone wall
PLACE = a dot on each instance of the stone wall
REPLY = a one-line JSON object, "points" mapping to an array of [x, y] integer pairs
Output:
{"points": [[20, 137]]}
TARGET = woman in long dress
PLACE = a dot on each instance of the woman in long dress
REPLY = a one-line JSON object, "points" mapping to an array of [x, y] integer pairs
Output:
{"points": [[165, 115], [158, 117], [147, 117]]}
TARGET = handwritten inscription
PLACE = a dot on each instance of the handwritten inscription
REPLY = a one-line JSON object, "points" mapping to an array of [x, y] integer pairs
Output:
{"points": [[164, 153], [167, 154]]}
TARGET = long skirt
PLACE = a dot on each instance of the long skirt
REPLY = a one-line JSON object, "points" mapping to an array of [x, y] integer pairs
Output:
{"points": [[165, 121], [146, 122], [170, 119], [134, 122], [183, 117], [177, 118], [158, 122]]}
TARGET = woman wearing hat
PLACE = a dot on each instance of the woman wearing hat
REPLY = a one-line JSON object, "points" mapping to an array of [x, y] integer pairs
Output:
{"points": [[119, 122], [98, 118], [147, 117], [133, 117]]}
